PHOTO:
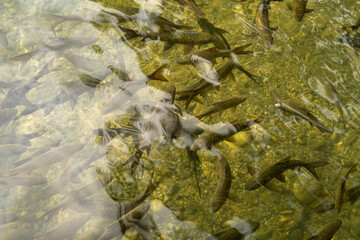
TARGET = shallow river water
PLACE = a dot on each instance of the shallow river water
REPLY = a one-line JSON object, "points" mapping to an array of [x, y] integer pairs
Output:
{"points": [[97, 141]]}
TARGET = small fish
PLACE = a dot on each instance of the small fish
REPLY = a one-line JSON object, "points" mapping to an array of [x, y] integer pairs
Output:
{"points": [[74, 197], [84, 63], [223, 188], [221, 106], [3, 39], [10, 150], [212, 53], [194, 160], [109, 133], [66, 229], [89, 16], [206, 26], [262, 177], [303, 113], [90, 81], [47, 159], [341, 188], [7, 217], [24, 180], [210, 138], [352, 195], [192, 4], [16, 96], [299, 9], [333, 97], [7, 114], [223, 70], [23, 139], [237, 230], [327, 231], [58, 45], [189, 38], [263, 23]]}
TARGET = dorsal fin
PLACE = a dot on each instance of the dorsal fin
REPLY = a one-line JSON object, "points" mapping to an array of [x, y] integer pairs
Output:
{"points": [[287, 159]]}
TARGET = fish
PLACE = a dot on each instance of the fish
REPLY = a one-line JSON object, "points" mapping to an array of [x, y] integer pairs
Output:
{"points": [[82, 62], [223, 70], [7, 114], [47, 159], [223, 105], [212, 53], [192, 4], [223, 188], [262, 177], [90, 81], [69, 175], [170, 38], [210, 138], [109, 133], [206, 26], [74, 197], [351, 38], [237, 232], [23, 180], [3, 39], [7, 217], [263, 23], [131, 13], [352, 195], [10, 150], [194, 160], [299, 9], [16, 95], [339, 194], [66, 229], [21, 139], [333, 97], [327, 231], [59, 45], [303, 113]]}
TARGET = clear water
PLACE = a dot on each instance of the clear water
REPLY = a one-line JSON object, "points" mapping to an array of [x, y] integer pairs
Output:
{"points": [[303, 55]]}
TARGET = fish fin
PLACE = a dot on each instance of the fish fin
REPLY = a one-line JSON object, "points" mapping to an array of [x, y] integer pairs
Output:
{"points": [[217, 88], [312, 171], [291, 8], [221, 31], [234, 197], [210, 49], [45, 170], [352, 200], [167, 46], [281, 178], [232, 76], [63, 164], [251, 76], [240, 50], [308, 10], [157, 75], [269, 185], [315, 237], [188, 48], [196, 99], [253, 171], [193, 94]]}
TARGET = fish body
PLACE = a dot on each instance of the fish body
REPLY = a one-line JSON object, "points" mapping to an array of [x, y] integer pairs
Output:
{"points": [[47, 159], [262, 23], [173, 37], [341, 188], [7, 114], [220, 106], [66, 228], [3, 39], [212, 53], [208, 139], [194, 160], [327, 231], [352, 194], [223, 188], [238, 230], [10, 150], [262, 177], [333, 97], [192, 4], [26, 181], [299, 9], [206, 26], [302, 113]]}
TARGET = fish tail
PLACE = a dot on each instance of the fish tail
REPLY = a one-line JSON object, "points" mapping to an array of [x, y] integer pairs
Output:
{"points": [[149, 190], [58, 19], [129, 33], [311, 167], [251, 76], [240, 50], [200, 116], [157, 75], [189, 96], [24, 58]]}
